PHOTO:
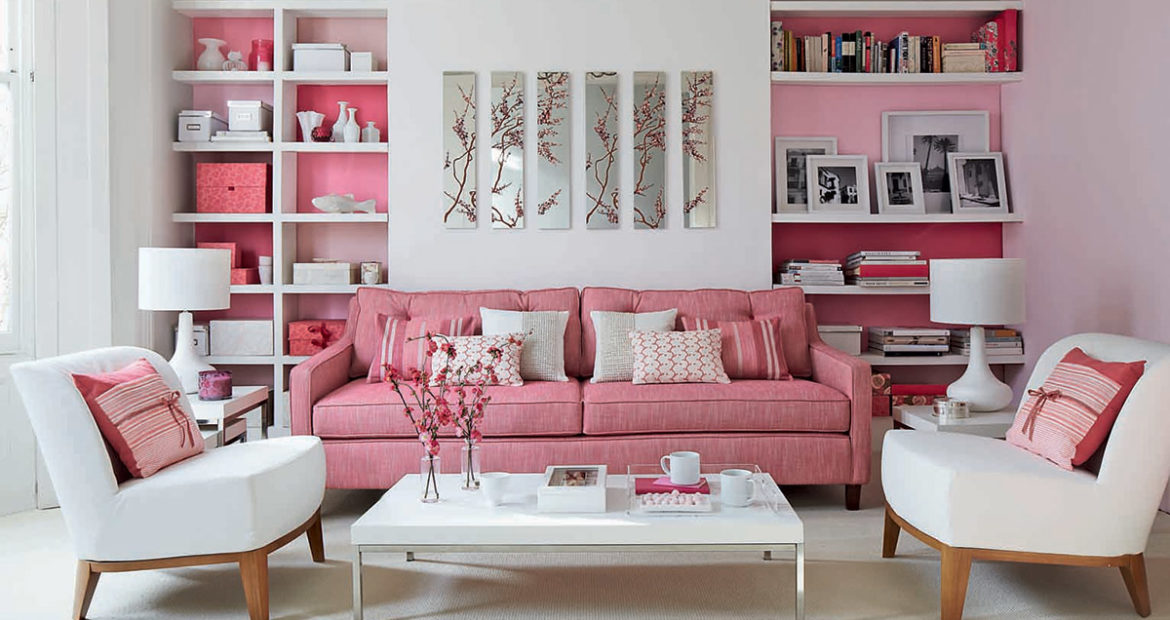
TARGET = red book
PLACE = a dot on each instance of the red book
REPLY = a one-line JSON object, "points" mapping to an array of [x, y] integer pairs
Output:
{"points": [[907, 389], [890, 271], [643, 486]]}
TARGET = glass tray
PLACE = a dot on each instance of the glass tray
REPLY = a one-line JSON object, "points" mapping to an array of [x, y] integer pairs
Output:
{"points": [[767, 494]]}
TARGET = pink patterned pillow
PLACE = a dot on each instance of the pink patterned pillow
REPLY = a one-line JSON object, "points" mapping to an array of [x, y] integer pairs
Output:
{"points": [[751, 349], [403, 346], [468, 350], [677, 357]]}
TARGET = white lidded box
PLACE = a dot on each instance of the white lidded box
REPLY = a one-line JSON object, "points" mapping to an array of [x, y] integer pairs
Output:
{"points": [[325, 273], [572, 488], [320, 57], [202, 343], [241, 337], [249, 115], [199, 125], [361, 62], [846, 338]]}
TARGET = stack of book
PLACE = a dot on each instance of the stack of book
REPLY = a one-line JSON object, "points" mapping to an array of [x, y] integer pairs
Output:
{"points": [[964, 58], [999, 342], [886, 268], [893, 341], [811, 272]]}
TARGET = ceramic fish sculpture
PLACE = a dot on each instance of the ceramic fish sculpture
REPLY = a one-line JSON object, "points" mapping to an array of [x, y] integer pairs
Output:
{"points": [[335, 203]]}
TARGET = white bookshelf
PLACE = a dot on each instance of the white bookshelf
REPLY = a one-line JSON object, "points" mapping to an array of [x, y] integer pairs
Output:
{"points": [[223, 77], [893, 8], [223, 218], [288, 218], [335, 147], [335, 78], [808, 78], [869, 218], [223, 147], [936, 360], [852, 289]]}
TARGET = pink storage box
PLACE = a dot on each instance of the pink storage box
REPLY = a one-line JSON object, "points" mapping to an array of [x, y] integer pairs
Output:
{"points": [[231, 188], [311, 336], [232, 247], [248, 275]]}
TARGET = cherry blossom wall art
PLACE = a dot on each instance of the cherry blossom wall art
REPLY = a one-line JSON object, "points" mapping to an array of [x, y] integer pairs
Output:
{"points": [[602, 157], [459, 178], [507, 169], [698, 146], [552, 145], [649, 150]]}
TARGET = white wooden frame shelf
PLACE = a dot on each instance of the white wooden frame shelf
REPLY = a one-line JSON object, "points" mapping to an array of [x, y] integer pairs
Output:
{"points": [[853, 289], [893, 8], [335, 78], [223, 77], [875, 359], [287, 218], [929, 218], [223, 147], [335, 147], [818, 78]]}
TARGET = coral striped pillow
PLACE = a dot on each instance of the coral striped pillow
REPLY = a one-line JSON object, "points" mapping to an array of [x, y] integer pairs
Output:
{"points": [[677, 357], [751, 349], [1066, 419], [93, 386], [404, 348]]}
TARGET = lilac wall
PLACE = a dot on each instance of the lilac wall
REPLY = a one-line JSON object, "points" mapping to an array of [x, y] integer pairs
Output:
{"points": [[1088, 154]]}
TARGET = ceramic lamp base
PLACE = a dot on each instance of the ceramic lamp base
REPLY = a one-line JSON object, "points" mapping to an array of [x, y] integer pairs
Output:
{"points": [[187, 362], [982, 390]]}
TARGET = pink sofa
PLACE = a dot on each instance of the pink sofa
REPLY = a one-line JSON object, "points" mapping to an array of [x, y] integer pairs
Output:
{"points": [[812, 430]]}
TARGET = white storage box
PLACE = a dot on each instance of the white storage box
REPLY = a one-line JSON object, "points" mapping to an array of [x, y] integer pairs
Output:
{"points": [[320, 57], [249, 115], [847, 338], [361, 62], [325, 273], [572, 488], [201, 341], [199, 125], [241, 338]]}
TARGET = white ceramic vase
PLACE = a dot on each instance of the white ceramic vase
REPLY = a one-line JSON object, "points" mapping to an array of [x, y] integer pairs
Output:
{"points": [[371, 133], [309, 121], [211, 59], [353, 131], [339, 126]]}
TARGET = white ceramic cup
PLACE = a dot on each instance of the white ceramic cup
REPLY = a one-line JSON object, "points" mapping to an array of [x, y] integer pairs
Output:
{"points": [[683, 468], [736, 487], [494, 484]]}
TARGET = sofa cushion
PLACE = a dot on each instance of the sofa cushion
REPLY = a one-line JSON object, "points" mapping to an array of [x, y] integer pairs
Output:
{"points": [[370, 302], [764, 406], [787, 304], [360, 409]]}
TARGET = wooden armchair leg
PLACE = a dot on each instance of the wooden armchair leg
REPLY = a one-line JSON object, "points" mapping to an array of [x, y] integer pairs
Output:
{"points": [[1134, 574], [316, 544], [956, 568], [890, 536], [254, 573], [87, 580]]}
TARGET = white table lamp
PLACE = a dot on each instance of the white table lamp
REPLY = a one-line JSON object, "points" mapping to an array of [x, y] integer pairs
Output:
{"points": [[978, 292], [183, 280]]}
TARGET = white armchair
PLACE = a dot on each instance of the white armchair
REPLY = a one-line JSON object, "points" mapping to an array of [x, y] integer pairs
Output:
{"points": [[974, 498], [233, 504]]}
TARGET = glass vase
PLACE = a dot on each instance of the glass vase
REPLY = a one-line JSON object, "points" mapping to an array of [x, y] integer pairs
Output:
{"points": [[429, 469], [469, 467]]}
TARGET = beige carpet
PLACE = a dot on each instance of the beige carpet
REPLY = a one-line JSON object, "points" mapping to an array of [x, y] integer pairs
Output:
{"points": [[846, 578]]}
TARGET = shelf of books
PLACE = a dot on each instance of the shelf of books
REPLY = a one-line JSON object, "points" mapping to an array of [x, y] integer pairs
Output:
{"points": [[894, 8], [886, 79], [937, 346], [877, 359]]}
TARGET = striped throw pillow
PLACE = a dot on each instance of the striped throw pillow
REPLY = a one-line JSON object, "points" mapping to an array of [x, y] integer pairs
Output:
{"points": [[150, 429], [404, 348], [751, 349], [1068, 417]]}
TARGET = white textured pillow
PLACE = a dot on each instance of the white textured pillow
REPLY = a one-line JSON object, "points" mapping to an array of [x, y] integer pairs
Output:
{"points": [[615, 357], [543, 355]]}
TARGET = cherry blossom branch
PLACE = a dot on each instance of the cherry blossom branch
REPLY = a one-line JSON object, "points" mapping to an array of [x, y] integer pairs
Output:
{"points": [[507, 134], [461, 165]]}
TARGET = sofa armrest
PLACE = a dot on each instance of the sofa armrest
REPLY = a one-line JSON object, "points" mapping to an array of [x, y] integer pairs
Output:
{"points": [[850, 376], [315, 377]]}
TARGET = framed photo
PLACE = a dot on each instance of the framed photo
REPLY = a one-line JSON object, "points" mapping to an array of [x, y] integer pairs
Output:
{"points": [[978, 183], [838, 183], [926, 138], [572, 488], [791, 174], [899, 187]]}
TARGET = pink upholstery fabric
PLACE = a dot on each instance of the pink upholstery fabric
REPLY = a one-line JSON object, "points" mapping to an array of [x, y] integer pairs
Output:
{"points": [[851, 376], [317, 376], [786, 304], [370, 302], [760, 406], [537, 408]]}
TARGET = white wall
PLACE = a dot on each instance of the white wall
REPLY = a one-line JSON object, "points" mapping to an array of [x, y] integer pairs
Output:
{"points": [[427, 37]]}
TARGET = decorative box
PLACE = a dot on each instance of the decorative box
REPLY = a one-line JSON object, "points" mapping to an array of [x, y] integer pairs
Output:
{"points": [[916, 394], [311, 336], [246, 275], [231, 247], [572, 488], [881, 383], [250, 115], [361, 62], [234, 337], [325, 273], [215, 385], [881, 405], [231, 188], [846, 338], [201, 341], [320, 57], [199, 125]]}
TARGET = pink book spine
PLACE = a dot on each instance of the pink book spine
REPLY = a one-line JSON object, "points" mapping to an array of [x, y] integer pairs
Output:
{"points": [[1009, 41]]}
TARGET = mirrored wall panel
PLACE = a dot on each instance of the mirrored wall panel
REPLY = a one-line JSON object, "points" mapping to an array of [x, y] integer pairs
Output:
{"points": [[459, 179], [698, 146], [602, 159], [507, 169], [552, 144], [649, 149]]}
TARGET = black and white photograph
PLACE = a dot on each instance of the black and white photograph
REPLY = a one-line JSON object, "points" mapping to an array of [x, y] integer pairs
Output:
{"points": [[791, 173], [927, 138], [838, 183], [930, 151], [899, 188], [978, 183]]}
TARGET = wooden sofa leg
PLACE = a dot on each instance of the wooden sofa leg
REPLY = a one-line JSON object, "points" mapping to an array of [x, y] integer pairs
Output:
{"points": [[254, 573], [956, 568], [852, 496], [890, 535], [1133, 571], [87, 580], [316, 544]]}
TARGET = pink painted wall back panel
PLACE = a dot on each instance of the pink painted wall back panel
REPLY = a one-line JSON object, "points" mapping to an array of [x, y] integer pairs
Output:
{"points": [[322, 307], [360, 174], [238, 32], [950, 30], [249, 306], [369, 100], [359, 35], [346, 242], [253, 239], [214, 97]]}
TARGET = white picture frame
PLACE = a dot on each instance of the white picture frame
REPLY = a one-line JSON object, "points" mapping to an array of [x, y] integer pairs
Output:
{"points": [[899, 188], [978, 182], [838, 184], [926, 137], [790, 199]]}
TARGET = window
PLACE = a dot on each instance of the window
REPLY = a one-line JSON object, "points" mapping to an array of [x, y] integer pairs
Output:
{"points": [[13, 105]]}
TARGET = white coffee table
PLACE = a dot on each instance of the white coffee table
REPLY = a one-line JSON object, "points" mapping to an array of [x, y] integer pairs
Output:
{"points": [[994, 424], [462, 523]]}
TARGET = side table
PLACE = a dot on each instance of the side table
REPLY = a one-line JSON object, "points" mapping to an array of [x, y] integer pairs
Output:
{"points": [[224, 421], [993, 424]]}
